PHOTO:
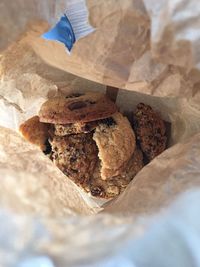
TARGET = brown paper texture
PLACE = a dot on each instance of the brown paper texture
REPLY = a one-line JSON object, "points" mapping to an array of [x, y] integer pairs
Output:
{"points": [[121, 52], [137, 45], [26, 83], [133, 47], [160, 182], [31, 184], [174, 31], [124, 54], [156, 63]]}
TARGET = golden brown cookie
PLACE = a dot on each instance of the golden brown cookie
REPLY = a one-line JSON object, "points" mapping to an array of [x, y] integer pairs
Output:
{"points": [[79, 127], [77, 108], [115, 185], [75, 128], [115, 140], [77, 157], [36, 132], [150, 131]]}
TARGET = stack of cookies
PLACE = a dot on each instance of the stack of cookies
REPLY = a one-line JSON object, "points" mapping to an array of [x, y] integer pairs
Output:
{"points": [[89, 141]]}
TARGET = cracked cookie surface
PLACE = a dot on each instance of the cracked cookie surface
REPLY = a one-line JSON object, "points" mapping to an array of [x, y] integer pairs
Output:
{"points": [[113, 186], [76, 156], [75, 128], [115, 140], [85, 107]]}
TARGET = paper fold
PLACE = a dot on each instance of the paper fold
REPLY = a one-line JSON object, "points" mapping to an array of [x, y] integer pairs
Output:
{"points": [[28, 82]]}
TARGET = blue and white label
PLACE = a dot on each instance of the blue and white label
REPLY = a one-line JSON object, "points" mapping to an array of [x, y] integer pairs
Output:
{"points": [[72, 25], [62, 32]]}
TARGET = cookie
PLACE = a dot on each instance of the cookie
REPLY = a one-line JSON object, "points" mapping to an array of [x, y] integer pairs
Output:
{"points": [[115, 140], [77, 108], [36, 133], [113, 186], [79, 127], [150, 131], [76, 156], [75, 128]]}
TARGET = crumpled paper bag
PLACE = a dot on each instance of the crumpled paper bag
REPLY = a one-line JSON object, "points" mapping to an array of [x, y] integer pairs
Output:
{"points": [[26, 83], [137, 45], [158, 184], [169, 239], [174, 32], [30, 183]]}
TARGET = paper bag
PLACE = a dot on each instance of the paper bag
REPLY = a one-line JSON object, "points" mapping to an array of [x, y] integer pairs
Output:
{"points": [[127, 51], [26, 84]]}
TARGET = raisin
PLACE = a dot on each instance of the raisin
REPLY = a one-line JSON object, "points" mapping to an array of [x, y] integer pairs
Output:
{"points": [[158, 131], [108, 121], [73, 159], [74, 95], [97, 191], [48, 148], [87, 128], [77, 105], [82, 116], [91, 102], [74, 170]]}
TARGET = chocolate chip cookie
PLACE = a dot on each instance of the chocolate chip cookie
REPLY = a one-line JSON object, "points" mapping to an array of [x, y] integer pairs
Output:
{"points": [[75, 128], [75, 155], [77, 108], [150, 131], [93, 144], [115, 140], [113, 186], [81, 127]]}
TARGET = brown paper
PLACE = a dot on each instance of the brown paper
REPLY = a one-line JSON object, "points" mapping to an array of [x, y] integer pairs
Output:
{"points": [[121, 54], [25, 84], [122, 51], [30, 183], [158, 184], [157, 68], [174, 32]]}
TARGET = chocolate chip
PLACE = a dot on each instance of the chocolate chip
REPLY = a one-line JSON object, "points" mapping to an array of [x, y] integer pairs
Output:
{"points": [[77, 105], [74, 171], [74, 95], [73, 159], [108, 121], [48, 147], [90, 102], [87, 128], [97, 191], [82, 116], [158, 131]]}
